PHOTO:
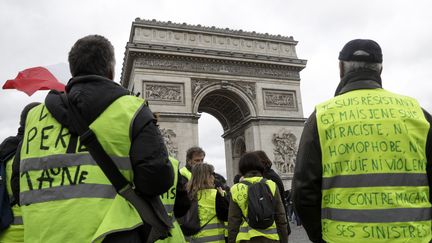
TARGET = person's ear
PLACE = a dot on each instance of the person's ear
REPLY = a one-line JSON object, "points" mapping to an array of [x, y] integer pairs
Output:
{"points": [[111, 74], [341, 70]]}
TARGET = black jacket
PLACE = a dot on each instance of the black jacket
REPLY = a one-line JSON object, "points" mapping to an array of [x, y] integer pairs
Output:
{"points": [[308, 171], [182, 202], [91, 95], [8, 147], [270, 174]]}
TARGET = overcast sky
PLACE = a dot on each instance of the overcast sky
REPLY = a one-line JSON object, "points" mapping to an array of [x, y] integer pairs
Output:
{"points": [[40, 33]]}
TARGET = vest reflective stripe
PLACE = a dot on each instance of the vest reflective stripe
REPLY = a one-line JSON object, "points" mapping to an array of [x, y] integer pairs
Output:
{"points": [[375, 186], [205, 239], [239, 196], [67, 192], [226, 229], [379, 179], [17, 220], [377, 215], [68, 160], [169, 208], [186, 173], [245, 229], [63, 188], [214, 230], [168, 199], [213, 226]]}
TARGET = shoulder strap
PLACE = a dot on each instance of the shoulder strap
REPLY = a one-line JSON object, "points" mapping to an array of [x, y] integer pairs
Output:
{"points": [[202, 227], [89, 139], [247, 183], [151, 210], [15, 177]]}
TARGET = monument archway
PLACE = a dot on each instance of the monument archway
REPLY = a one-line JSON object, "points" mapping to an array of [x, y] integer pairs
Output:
{"points": [[250, 82], [232, 108]]}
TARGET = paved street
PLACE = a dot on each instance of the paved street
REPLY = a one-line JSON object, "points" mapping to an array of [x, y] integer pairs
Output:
{"points": [[298, 235]]}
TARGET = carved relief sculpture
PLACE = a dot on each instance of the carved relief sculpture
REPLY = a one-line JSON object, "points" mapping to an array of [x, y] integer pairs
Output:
{"points": [[279, 99], [248, 88], [164, 93], [285, 151], [209, 66], [199, 84], [168, 135]]}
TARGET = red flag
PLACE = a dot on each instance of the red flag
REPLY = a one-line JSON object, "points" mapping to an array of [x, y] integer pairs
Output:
{"points": [[32, 79]]}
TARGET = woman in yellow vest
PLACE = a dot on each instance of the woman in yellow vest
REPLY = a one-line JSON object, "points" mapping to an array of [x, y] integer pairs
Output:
{"points": [[212, 204], [239, 230]]}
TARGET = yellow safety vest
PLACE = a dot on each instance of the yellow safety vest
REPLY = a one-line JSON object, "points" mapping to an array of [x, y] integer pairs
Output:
{"points": [[374, 185], [239, 195], [214, 230], [65, 197], [186, 173], [168, 200], [15, 232]]}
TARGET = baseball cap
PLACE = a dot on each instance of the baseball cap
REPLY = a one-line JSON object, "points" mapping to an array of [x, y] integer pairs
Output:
{"points": [[361, 50]]}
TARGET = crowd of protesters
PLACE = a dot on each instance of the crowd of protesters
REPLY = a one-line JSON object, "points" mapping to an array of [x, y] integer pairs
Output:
{"points": [[74, 173]]}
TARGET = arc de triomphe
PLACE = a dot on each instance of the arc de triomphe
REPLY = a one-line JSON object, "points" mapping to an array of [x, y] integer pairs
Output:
{"points": [[250, 82]]}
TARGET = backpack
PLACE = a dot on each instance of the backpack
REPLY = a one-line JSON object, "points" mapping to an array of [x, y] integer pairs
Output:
{"points": [[261, 205], [6, 216], [190, 222]]}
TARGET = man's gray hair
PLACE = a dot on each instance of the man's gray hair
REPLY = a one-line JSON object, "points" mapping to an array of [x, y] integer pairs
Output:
{"points": [[93, 54], [351, 66]]}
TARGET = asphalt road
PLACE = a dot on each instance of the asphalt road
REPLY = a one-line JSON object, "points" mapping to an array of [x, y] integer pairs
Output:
{"points": [[298, 235]]}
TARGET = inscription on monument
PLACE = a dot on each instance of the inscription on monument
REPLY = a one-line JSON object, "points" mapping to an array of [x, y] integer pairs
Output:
{"points": [[164, 93], [279, 99]]}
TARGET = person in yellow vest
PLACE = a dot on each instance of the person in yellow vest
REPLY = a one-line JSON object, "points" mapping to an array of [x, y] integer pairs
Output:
{"points": [[212, 204], [270, 174], [176, 202], [64, 194], [364, 165], [252, 169], [8, 148], [194, 155]]}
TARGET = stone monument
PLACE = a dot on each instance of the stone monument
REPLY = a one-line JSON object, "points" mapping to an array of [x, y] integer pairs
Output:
{"points": [[249, 81]]}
